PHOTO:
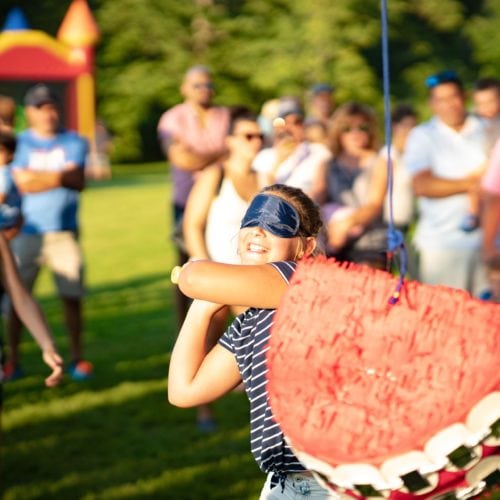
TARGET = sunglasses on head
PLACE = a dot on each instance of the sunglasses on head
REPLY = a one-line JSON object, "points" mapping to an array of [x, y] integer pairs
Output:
{"points": [[447, 76], [363, 127], [249, 137], [208, 85]]}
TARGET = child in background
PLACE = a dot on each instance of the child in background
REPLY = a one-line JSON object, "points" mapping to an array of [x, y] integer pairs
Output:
{"points": [[280, 227]]}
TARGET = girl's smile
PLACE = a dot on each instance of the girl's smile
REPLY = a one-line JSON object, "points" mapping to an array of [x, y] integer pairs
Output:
{"points": [[258, 246]]}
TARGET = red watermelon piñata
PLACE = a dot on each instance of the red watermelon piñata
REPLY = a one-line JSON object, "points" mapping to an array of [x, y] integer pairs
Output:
{"points": [[357, 382]]}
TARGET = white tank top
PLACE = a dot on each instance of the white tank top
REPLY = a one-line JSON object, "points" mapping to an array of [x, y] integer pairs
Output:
{"points": [[223, 224]]}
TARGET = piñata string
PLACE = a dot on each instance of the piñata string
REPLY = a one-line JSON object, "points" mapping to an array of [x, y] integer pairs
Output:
{"points": [[395, 238]]}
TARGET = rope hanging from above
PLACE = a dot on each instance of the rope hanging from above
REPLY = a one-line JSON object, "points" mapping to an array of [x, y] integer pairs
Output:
{"points": [[395, 238]]}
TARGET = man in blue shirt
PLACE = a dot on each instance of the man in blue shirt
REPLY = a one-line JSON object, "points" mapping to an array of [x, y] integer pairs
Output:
{"points": [[48, 170]]}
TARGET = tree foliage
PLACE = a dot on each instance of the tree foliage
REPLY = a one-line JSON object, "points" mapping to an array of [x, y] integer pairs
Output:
{"points": [[261, 49]]}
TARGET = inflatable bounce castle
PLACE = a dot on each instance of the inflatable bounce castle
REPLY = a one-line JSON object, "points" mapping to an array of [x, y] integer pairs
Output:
{"points": [[66, 63]]}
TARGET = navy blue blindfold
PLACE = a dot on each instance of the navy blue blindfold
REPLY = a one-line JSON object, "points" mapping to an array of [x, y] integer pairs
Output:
{"points": [[274, 214]]}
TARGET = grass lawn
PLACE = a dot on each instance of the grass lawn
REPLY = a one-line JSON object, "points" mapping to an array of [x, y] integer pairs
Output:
{"points": [[116, 436]]}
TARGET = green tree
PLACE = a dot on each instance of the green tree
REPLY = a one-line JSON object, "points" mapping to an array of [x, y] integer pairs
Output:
{"points": [[485, 36], [260, 49]]}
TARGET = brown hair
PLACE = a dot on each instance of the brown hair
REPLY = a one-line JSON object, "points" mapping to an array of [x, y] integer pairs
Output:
{"points": [[7, 110], [339, 121]]}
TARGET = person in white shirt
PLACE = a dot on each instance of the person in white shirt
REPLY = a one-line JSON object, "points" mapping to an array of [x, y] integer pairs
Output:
{"points": [[445, 156], [293, 160]]}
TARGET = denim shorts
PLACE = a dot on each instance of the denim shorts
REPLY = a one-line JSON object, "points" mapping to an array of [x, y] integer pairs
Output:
{"points": [[298, 486]]}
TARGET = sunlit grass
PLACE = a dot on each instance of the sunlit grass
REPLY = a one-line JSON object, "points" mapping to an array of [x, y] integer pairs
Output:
{"points": [[116, 436]]}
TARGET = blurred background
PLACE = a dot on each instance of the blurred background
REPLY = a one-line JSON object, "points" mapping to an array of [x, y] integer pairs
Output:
{"points": [[116, 436], [265, 48]]}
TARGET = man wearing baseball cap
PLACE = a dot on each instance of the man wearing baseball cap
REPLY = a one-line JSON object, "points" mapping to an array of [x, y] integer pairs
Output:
{"points": [[48, 170]]}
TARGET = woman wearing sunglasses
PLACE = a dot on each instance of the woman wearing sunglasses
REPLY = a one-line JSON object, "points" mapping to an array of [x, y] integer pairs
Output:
{"points": [[214, 209], [355, 191]]}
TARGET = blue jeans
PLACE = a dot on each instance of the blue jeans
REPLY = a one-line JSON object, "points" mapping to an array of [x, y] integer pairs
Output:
{"points": [[298, 486]]}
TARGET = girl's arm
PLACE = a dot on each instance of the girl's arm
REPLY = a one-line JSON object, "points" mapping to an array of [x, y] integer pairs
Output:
{"points": [[197, 207], [194, 376], [30, 313], [259, 286]]}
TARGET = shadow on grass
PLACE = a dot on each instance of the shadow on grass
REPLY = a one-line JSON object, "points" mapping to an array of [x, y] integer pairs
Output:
{"points": [[134, 449], [116, 436], [129, 329]]}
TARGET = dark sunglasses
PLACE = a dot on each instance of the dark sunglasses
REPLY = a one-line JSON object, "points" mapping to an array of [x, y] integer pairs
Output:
{"points": [[364, 127], [447, 76], [209, 86], [250, 137]]}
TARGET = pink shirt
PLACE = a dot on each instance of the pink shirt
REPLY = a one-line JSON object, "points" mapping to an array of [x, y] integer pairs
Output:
{"points": [[183, 123], [491, 179]]}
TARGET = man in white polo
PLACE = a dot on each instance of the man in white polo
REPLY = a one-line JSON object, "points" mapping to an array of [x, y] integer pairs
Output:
{"points": [[445, 156]]}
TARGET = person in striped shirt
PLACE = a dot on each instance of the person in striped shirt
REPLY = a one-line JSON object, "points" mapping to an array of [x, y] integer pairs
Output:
{"points": [[280, 227]]}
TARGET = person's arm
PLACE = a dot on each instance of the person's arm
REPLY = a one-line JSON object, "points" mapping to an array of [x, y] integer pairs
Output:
{"points": [[425, 183], [30, 313], [35, 181], [185, 158], [259, 286], [171, 130], [197, 207], [418, 160], [319, 188], [196, 377], [374, 203], [372, 207]]}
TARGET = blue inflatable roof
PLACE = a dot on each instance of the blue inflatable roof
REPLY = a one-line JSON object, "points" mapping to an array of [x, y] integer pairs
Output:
{"points": [[15, 20]]}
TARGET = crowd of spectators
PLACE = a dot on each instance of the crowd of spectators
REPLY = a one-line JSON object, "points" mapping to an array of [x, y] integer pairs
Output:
{"points": [[444, 171], [445, 184]]}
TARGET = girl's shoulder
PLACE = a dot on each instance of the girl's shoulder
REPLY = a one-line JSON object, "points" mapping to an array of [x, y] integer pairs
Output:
{"points": [[286, 268]]}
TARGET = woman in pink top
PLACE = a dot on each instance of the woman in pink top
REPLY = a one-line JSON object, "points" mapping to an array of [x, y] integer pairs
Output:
{"points": [[490, 220]]}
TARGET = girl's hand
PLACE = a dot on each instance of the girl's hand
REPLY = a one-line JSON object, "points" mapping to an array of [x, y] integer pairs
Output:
{"points": [[177, 270], [55, 362]]}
